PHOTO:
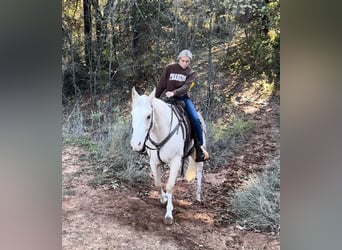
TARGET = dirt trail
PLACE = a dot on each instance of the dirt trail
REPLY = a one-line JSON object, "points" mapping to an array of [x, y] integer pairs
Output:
{"points": [[123, 218]]}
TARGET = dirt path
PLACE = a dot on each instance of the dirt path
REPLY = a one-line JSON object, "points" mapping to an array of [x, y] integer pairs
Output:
{"points": [[123, 218]]}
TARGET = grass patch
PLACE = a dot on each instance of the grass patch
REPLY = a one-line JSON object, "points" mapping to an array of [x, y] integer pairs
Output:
{"points": [[225, 138], [95, 149], [82, 141], [257, 205], [240, 128], [120, 149], [133, 175], [107, 139], [127, 165]]}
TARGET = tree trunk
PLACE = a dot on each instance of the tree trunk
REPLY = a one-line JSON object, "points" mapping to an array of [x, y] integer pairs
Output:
{"points": [[138, 43], [87, 32], [88, 40], [265, 21], [176, 28], [210, 63]]}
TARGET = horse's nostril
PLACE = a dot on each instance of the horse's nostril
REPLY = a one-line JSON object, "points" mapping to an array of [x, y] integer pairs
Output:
{"points": [[139, 143]]}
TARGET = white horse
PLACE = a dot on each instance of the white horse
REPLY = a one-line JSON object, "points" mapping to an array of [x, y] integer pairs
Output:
{"points": [[157, 129]]}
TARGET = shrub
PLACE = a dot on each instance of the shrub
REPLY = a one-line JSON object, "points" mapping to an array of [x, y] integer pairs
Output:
{"points": [[127, 165], [107, 138], [73, 124], [120, 150], [223, 140], [257, 205], [132, 174], [240, 128]]}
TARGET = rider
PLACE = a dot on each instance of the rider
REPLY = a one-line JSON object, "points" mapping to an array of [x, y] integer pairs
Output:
{"points": [[176, 81]]}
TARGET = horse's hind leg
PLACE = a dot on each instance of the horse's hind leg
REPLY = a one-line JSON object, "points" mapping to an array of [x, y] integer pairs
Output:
{"points": [[156, 171], [198, 166], [199, 169], [174, 168]]}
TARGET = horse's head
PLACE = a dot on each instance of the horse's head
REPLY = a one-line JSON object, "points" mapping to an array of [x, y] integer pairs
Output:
{"points": [[141, 118]]}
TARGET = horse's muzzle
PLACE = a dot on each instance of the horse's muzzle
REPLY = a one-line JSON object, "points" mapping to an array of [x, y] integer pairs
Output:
{"points": [[143, 150], [138, 147]]}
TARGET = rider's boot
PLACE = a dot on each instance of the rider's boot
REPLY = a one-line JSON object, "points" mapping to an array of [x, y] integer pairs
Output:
{"points": [[201, 153]]}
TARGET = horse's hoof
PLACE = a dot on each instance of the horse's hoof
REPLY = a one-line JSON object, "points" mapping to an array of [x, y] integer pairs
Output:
{"points": [[197, 201], [163, 200], [163, 203], [168, 221]]}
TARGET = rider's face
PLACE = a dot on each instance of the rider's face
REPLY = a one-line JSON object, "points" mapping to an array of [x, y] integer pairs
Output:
{"points": [[184, 62]]}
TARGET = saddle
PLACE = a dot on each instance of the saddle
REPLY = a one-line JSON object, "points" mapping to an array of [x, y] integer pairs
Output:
{"points": [[178, 107]]}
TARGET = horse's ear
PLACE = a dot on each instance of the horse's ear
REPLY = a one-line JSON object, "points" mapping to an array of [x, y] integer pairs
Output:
{"points": [[134, 94], [153, 93]]}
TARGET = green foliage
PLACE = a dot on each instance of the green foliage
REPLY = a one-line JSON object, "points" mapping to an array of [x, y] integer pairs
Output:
{"points": [[110, 152], [268, 88], [240, 128], [219, 130], [257, 52], [255, 56], [224, 138], [237, 127], [258, 16], [133, 175], [125, 164], [95, 150], [79, 141], [120, 149], [257, 205], [131, 41]]}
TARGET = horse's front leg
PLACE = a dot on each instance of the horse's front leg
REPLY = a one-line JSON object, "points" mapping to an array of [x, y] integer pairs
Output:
{"points": [[157, 174], [174, 169]]}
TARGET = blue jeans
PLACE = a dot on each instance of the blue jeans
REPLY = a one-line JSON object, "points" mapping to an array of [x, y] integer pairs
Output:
{"points": [[193, 116]]}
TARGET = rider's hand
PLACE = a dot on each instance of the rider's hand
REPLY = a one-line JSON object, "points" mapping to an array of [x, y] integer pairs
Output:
{"points": [[169, 94]]}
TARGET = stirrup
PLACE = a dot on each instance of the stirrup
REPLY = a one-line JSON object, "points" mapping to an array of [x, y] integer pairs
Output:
{"points": [[201, 154]]}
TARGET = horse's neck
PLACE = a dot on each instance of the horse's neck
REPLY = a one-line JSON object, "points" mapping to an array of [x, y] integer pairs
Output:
{"points": [[161, 119]]}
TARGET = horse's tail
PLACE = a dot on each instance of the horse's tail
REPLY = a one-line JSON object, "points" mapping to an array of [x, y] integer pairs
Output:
{"points": [[204, 127], [191, 170]]}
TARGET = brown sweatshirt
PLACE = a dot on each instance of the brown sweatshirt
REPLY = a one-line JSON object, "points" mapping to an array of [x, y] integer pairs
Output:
{"points": [[176, 79]]}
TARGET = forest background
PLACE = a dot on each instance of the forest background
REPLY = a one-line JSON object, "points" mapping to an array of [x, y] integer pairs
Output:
{"points": [[110, 46]]}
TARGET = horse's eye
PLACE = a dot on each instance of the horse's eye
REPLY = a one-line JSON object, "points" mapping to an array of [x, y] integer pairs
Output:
{"points": [[148, 117]]}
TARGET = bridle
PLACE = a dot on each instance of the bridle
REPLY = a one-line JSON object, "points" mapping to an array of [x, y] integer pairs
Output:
{"points": [[159, 145]]}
